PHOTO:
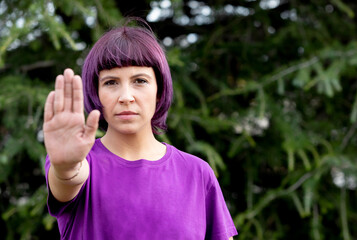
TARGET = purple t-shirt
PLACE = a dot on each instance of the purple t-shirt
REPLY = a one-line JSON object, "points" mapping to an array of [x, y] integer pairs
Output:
{"points": [[176, 197]]}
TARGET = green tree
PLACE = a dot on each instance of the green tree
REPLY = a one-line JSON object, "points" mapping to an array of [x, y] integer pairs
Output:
{"points": [[265, 91]]}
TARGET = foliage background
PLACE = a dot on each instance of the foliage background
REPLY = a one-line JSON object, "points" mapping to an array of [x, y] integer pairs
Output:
{"points": [[265, 91]]}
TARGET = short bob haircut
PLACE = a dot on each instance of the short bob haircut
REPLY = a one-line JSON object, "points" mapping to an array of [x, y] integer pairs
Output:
{"points": [[128, 46]]}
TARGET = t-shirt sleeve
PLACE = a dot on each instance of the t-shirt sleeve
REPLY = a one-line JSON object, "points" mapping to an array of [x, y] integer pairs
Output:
{"points": [[220, 225], [55, 207]]}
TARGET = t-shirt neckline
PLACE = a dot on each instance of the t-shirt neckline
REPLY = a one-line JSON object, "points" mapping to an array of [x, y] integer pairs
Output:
{"points": [[139, 162]]}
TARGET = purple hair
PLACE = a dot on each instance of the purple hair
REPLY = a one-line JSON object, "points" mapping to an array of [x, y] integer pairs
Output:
{"points": [[128, 46]]}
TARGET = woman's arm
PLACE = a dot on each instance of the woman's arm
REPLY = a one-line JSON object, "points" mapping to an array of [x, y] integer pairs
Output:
{"points": [[67, 138]]}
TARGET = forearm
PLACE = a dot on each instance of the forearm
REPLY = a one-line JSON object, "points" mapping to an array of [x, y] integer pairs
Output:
{"points": [[65, 184]]}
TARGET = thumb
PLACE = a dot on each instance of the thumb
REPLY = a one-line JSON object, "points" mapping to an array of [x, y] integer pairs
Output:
{"points": [[91, 124]]}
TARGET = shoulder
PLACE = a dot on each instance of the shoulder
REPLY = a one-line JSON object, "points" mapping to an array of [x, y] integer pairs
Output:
{"points": [[188, 158], [193, 164]]}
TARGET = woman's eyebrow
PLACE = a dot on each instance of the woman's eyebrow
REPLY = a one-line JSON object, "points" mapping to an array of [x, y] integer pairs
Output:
{"points": [[107, 77], [141, 75]]}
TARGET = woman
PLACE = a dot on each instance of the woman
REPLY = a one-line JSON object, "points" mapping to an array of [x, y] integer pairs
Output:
{"points": [[125, 185]]}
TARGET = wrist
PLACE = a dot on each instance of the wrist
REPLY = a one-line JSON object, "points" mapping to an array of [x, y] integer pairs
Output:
{"points": [[68, 174]]}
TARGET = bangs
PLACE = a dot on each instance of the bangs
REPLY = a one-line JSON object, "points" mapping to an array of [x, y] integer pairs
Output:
{"points": [[124, 49]]}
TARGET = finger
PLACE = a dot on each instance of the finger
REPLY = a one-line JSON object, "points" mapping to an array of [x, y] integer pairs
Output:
{"points": [[92, 124], [77, 94], [68, 89], [49, 111], [59, 88]]}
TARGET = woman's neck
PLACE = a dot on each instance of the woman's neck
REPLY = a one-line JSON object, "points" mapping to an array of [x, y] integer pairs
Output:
{"points": [[134, 146]]}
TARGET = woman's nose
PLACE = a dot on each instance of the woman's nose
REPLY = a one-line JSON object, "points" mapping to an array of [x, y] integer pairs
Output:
{"points": [[126, 96]]}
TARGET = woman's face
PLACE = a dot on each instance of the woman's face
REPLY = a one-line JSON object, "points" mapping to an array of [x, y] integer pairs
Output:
{"points": [[128, 96]]}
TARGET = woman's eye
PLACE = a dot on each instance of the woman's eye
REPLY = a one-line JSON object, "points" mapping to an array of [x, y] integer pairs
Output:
{"points": [[140, 81], [110, 82]]}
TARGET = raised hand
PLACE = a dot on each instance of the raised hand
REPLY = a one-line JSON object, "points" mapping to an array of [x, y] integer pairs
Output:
{"points": [[68, 139]]}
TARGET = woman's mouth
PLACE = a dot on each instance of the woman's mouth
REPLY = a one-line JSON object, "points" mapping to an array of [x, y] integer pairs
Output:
{"points": [[126, 115]]}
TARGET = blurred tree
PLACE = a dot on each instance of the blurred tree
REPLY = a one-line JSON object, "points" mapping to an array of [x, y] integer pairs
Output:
{"points": [[265, 91]]}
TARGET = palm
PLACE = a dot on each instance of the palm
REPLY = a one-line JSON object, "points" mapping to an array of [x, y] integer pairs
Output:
{"points": [[64, 136], [67, 138]]}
